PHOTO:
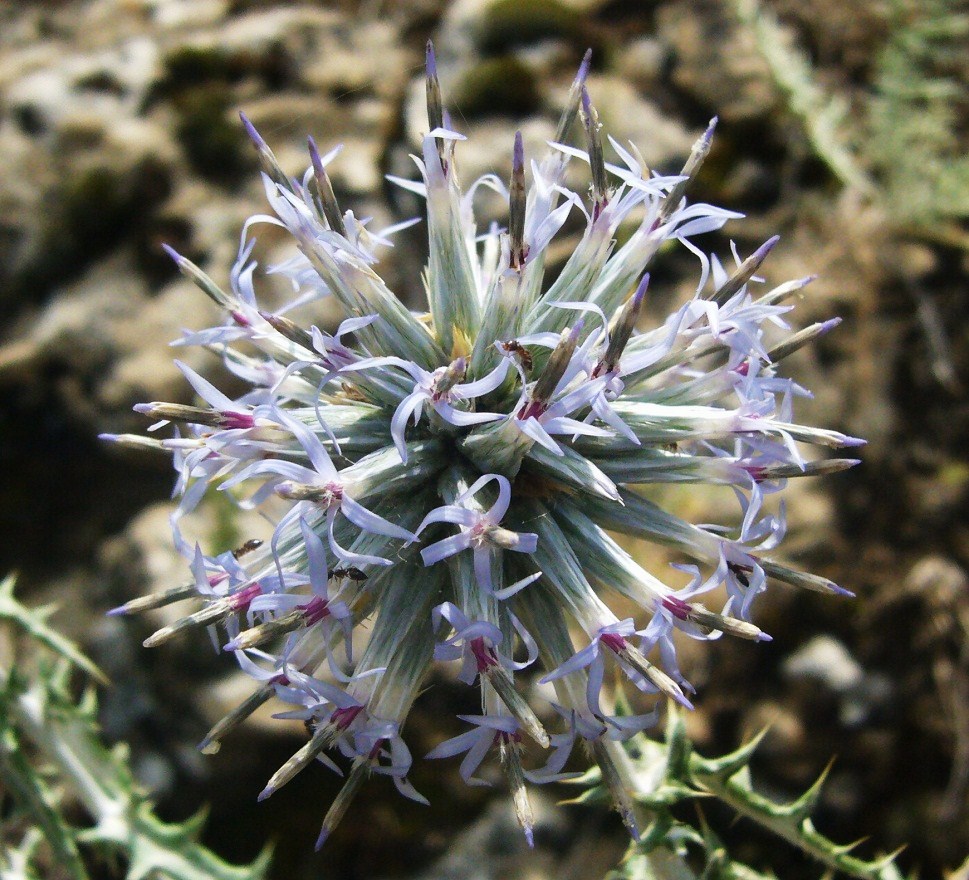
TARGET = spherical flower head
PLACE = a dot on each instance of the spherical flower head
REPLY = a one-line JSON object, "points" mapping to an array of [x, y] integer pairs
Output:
{"points": [[447, 482]]}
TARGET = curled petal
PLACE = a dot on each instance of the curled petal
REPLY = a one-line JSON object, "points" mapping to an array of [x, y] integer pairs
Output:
{"points": [[371, 522], [448, 547]]}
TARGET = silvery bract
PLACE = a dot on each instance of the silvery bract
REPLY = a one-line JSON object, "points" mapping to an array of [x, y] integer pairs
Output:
{"points": [[445, 485]]}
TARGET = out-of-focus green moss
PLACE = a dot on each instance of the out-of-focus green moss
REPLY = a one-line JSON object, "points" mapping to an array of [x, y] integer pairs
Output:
{"points": [[198, 81], [190, 67], [94, 210], [498, 87], [211, 139], [510, 23]]}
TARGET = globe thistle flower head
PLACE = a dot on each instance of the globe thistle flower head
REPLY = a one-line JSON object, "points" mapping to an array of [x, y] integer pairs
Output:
{"points": [[448, 482]]}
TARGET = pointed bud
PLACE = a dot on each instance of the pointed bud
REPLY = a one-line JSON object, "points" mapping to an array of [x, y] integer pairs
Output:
{"points": [[571, 109], [516, 206], [324, 198], [557, 364], [358, 775], [623, 329], [321, 738], [155, 600], [210, 745], [699, 152], [267, 159], [517, 705], [801, 338], [600, 186], [745, 271], [201, 280]]}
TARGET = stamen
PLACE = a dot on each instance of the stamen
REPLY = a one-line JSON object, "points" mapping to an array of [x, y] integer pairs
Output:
{"points": [[290, 329], [512, 763], [516, 206], [156, 600], [626, 652], [214, 612], [600, 186], [325, 198], [450, 377], [745, 271], [623, 330], [699, 152], [358, 775], [573, 100], [435, 105], [517, 705], [557, 364], [194, 415], [801, 338], [258, 635], [322, 737], [210, 745], [267, 159], [621, 801]]}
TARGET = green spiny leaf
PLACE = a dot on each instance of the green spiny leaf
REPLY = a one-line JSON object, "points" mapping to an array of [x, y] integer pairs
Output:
{"points": [[679, 746], [30, 792], [33, 623], [726, 766], [737, 792], [803, 807]]}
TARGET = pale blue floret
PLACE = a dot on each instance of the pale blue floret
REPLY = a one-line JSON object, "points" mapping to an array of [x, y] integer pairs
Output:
{"points": [[479, 533]]}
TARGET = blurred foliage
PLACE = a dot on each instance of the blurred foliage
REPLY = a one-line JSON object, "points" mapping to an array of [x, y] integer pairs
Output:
{"points": [[498, 87], [908, 152], [511, 23], [52, 758], [921, 99]]}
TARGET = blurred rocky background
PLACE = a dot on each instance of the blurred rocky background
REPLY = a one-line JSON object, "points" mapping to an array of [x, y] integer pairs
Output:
{"points": [[843, 128]]}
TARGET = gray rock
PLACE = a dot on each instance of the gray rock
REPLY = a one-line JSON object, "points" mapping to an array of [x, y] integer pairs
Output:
{"points": [[826, 661]]}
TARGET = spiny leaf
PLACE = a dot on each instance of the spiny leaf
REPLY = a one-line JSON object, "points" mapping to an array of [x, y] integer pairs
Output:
{"points": [[41, 714], [29, 791], [803, 807], [33, 623], [778, 818], [680, 748], [161, 849], [15, 861], [727, 765]]}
